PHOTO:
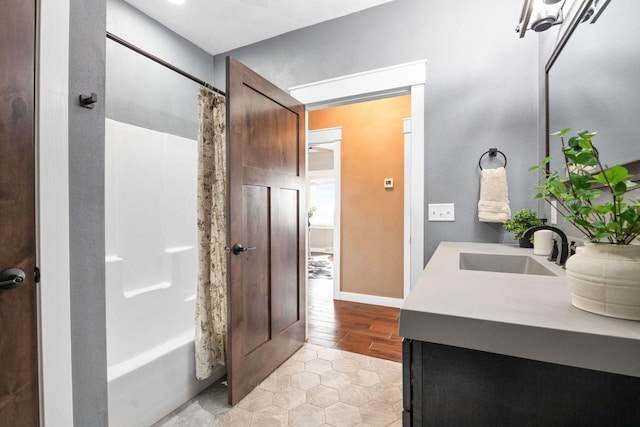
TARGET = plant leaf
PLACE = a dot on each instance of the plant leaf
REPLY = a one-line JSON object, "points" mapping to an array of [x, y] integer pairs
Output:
{"points": [[586, 134], [602, 209], [580, 182], [557, 188], [602, 235], [592, 194], [620, 188], [587, 159], [616, 174]]}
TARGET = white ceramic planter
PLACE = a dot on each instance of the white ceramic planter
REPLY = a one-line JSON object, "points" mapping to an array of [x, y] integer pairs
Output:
{"points": [[605, 279]]}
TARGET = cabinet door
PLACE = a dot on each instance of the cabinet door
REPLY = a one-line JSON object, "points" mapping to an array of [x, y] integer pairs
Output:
{"points": [[459, 386], [412, 383], [406, 381]]}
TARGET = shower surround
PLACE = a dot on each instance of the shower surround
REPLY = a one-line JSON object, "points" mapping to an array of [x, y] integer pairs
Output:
{"points": [[151, 273]]}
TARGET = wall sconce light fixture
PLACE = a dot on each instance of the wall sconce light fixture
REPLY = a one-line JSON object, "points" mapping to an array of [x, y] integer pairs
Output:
{"points": [[540, 15]]}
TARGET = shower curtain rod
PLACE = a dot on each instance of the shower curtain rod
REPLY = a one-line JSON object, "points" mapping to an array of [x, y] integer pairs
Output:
{"points": [[162, 62]]}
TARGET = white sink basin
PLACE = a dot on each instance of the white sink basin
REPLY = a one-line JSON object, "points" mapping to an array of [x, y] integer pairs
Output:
{"points": [[515, 264]]}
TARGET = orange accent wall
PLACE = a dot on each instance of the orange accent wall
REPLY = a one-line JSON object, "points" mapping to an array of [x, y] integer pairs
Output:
{"points": [[372, 217]]}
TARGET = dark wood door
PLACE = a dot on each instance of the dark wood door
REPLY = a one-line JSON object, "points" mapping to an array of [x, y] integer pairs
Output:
{"points": [[18, 334], [266, 305]]}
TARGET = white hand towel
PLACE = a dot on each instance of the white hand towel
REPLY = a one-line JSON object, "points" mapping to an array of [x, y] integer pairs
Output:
{"points": [[494, 199]]}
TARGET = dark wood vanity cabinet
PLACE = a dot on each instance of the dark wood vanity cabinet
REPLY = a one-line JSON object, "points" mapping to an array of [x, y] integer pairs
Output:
{"points": [[452, 386]]}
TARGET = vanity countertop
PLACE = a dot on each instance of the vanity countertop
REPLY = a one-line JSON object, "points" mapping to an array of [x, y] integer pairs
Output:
{"points": [[520, 315]]}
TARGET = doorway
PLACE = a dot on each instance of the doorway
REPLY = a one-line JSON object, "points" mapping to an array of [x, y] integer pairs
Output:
{"points": [[409, 78], [370, 213], [323, 189], [369, 245]]}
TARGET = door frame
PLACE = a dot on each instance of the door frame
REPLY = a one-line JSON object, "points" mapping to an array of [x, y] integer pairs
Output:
{"points": [[52, 198], [325, 136], [406, 268], [402, 79]]}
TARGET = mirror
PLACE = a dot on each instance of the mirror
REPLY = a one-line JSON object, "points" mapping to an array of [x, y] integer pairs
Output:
{"points": [[593, 84]]}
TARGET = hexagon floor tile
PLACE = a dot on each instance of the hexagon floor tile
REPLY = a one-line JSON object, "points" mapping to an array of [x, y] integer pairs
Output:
{"points": [[315, 387]]}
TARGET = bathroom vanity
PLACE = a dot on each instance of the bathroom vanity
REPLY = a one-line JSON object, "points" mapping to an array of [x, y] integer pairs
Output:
{"points": [[491, 338]]}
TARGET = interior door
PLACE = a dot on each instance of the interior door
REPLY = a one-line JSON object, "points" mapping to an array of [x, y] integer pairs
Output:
{"points": [[18, 333], [267, 219]]}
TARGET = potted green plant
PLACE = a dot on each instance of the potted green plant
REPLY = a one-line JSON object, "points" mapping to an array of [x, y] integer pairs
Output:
{"points": [[604, 274], [522, 220]]}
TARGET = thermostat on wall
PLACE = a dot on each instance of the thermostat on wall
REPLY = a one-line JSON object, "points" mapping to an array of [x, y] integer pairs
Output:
{"points": [[388, 183]]}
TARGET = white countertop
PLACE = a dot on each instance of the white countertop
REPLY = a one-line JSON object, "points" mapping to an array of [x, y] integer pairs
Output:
{"points": [[519, 315]]}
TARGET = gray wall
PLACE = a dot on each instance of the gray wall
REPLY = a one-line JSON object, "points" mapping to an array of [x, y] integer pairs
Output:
{"points": [[481, 92], [142, 92], [137, 98], [86, 213]]}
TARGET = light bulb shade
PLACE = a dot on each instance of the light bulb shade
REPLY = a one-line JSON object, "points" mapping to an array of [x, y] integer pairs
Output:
{"points": [[543, 24], [543, 19]]}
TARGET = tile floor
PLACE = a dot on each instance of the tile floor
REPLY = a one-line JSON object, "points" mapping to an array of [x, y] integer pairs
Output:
{"points": [[317, 386]]}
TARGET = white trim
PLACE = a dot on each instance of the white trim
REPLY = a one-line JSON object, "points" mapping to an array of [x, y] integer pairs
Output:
{"points": [[410, 78], [416, 249], [56, 393], [322, 227], [322, 250], [307, 243], [406, 268], [371, 299], [324, 136], [337, 227], [383, 80]]}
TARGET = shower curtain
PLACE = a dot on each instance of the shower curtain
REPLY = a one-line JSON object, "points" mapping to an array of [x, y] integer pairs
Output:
{"points": [[211, 303]]}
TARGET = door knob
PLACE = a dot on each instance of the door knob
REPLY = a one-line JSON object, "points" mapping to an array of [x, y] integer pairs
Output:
{"points": [[11, 278], [238, 249]]}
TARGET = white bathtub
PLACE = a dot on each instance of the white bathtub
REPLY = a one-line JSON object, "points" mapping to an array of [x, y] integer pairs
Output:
{"points": [[151, 273], [146, 381], [146, 388]]}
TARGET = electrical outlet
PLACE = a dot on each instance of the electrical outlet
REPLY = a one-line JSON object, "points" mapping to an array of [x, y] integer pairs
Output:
{"points": [[388, 183], [441, 212], [554, 213]]}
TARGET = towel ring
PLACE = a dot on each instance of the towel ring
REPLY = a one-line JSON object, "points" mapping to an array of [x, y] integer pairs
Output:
{"points": [[492, 152]]}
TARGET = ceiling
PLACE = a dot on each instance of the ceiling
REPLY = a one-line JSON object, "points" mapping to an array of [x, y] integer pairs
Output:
{"points": [[221, 25]]}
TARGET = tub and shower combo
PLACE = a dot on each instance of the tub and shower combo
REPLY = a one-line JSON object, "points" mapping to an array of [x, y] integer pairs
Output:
{"points": [[151, 272]]}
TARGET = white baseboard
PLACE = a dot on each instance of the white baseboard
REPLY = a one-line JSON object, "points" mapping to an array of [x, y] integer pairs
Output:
{"points": [[322, 250], [371, 299]]}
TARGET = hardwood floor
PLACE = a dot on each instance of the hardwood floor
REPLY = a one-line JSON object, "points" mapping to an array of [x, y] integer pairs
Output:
{"points": [[360, 328]]}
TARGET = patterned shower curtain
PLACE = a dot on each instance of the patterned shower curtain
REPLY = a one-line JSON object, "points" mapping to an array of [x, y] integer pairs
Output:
{"points": [[211, 303]]}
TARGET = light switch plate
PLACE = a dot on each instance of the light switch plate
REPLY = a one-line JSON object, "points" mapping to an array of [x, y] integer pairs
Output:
{"points": [[554, 212], [441, 212], [388, 183]]}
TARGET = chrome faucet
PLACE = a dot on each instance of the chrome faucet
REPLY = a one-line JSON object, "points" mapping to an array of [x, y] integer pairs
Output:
{"points": [[564, 247]]}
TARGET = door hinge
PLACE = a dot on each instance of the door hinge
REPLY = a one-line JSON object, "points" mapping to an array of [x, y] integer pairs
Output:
{"points": [[36, 274]]}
